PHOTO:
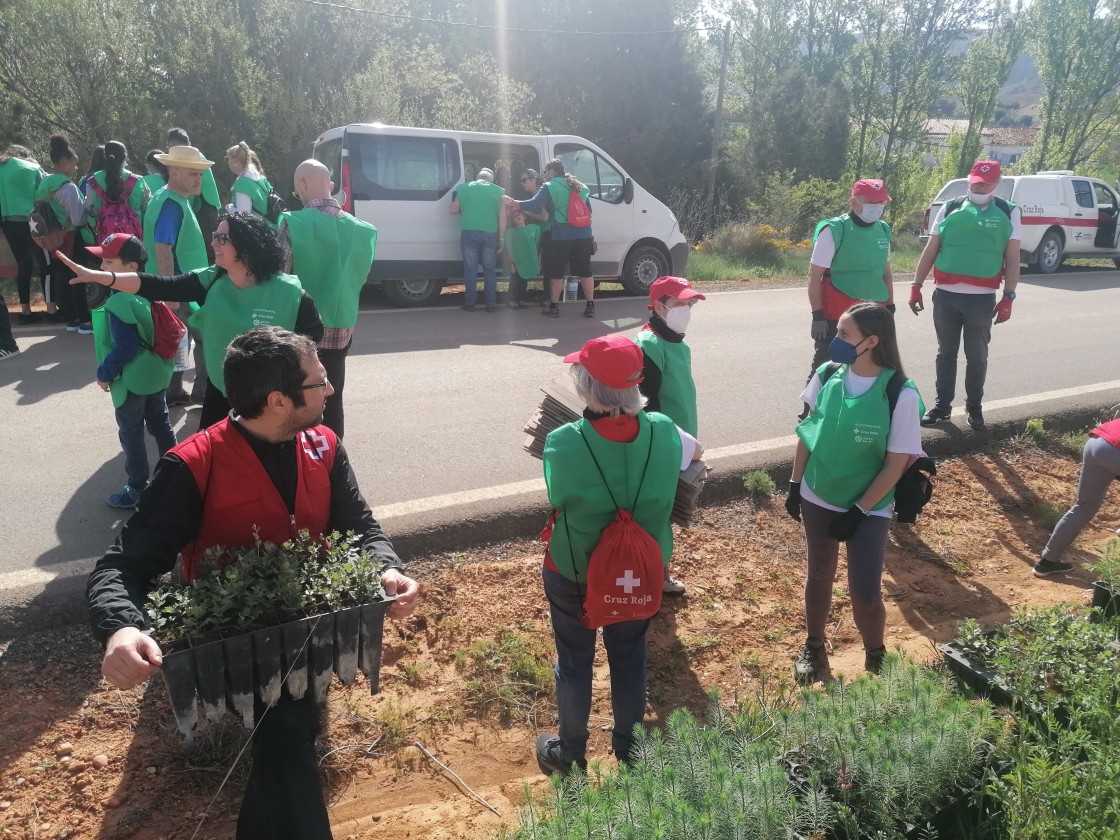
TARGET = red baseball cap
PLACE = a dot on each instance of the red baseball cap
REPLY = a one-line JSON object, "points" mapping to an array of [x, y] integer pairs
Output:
{"points": [[984, 172], [120, 246], [674, 287], [870, 190], [614, 360]]}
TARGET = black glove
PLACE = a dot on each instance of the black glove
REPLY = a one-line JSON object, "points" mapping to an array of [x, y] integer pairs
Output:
{"points": [[793, 501], [819, 330], [891, 308], [843, 527]]}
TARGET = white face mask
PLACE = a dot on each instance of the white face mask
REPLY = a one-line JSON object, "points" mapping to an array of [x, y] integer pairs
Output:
{"points": [[871, 212], [978, 198], [677, 318]]}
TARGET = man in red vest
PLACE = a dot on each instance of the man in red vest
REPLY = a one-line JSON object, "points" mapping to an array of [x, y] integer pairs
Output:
{"points": [[272, 469]]}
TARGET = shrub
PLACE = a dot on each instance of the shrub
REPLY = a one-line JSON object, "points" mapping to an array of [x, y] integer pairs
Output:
{"points": [[759, 485], [506, 675], [1036, 431], [747, 242], [1108, 566], [1074, 442]]}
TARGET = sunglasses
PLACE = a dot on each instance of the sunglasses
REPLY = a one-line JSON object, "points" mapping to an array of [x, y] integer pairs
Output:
{"points": [[322, 384], [220, 238]]}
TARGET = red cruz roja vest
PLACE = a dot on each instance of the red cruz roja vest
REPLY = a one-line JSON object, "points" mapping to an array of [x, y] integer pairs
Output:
{"points": [[1108, 432], [238, 496]]}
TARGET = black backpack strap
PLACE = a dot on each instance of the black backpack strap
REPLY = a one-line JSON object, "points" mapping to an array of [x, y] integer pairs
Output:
{"points": [[894, 388], [830, 372], [1003, 205], [954, 204]]}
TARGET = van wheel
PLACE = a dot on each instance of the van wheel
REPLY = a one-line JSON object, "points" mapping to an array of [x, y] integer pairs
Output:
{"points": [[1049, 253], [96, 295], [412, 292], [643, 265]]}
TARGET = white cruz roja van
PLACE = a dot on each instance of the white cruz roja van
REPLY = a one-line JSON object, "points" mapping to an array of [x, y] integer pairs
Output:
{"points": [[1065, 216], [401, 180]]}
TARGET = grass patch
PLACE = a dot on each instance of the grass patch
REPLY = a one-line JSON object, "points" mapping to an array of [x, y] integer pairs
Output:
{"points": [[507, 675], [1035, 431], [1047, 515], [1074, 442], [759, 486]]}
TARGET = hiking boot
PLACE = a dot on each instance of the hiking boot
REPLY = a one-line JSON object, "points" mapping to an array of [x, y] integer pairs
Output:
{"points": [[126, 499], [811, 664], [552, 311], [181, 398], [550, 757], [492, 308], [672, 586], [9, 354], [975, 418], [468, 307], [936, 415], [1045, 568], [589, 310], [72, 326], [873, 660], [26, 318], [84, 329]]}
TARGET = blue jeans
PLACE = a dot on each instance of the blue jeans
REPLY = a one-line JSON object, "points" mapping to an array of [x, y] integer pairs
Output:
{"points": [[479, 247], [575, 658], [138, 410]]}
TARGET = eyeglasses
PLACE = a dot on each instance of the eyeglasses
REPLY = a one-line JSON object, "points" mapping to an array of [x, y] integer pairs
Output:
{"points": [[220, 238], [322, 384]]}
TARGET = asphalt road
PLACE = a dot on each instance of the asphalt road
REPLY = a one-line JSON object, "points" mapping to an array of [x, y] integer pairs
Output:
{"points": [[436, 400]]}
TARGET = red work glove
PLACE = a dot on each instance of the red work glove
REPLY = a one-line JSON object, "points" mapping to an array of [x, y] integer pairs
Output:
{"points": [[916, 304], [1002, 312]]}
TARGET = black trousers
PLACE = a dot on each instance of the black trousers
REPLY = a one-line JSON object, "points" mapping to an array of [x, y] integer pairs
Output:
{"points": [[284, 796], [215, 407], [28, 256], [71, 300], [335, 363]]}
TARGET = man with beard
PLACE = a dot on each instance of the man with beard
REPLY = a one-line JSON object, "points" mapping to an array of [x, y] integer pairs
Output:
{"points": [[268, 470]]}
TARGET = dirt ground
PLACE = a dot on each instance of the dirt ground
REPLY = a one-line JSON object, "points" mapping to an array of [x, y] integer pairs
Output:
{"points": [[81, 760]]}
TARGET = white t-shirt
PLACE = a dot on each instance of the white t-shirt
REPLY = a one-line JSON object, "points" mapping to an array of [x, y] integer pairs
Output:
{"points": [[242, 203], [968, 288], [824, 249], [688, 448], [905, 436]]}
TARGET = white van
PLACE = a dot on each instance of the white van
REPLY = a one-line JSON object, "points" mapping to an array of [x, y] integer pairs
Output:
{"points": [[401, 180], [1064, 216]]}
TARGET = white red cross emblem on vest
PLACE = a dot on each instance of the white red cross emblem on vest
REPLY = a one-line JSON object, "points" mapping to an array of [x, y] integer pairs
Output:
{"points": [[315, 444]]}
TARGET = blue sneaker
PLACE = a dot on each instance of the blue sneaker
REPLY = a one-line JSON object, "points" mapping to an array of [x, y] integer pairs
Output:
{"points": [[126, 499]]}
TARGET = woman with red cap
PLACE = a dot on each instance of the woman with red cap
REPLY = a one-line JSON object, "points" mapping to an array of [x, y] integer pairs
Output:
{"points": [[616, 452]]}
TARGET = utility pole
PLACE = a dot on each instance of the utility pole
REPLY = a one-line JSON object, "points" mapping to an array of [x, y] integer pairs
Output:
{"points": [[717, 128]]}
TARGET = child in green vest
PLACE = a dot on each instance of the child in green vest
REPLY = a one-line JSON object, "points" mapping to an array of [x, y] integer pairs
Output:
{"points": [[851, 452], [128, 368], [667, 382]]}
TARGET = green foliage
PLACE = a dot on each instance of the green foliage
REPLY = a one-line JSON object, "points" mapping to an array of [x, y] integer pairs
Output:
{"points": [[759, 485], [1036, 431], [1074, 442], [508, 674], [1108, 564], [245, 589], [746, 243]]}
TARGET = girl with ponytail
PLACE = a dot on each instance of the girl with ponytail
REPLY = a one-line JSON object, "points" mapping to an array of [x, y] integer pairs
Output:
{"points": [[251, 190]]}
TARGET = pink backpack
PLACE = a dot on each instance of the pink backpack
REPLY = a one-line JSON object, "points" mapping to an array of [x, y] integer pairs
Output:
{"points": [[117, 216]]}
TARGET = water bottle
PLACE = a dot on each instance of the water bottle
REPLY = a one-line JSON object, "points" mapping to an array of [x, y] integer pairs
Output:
{"points": [[571, 290]]}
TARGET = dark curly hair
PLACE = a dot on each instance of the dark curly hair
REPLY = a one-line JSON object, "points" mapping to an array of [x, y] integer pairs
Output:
{"points": [[255, 242]]}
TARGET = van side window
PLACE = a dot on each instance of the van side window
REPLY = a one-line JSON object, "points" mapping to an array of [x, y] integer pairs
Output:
{"points": [[402, 168], [329, 153], [1083, 194], [600, 176], [1105, 199]]}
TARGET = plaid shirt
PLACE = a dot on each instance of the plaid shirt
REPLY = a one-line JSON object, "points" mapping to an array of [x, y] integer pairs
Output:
{"points": [[333, 339]]}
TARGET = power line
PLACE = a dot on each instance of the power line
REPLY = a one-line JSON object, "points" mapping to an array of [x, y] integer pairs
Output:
{"points": [[463, 24]]}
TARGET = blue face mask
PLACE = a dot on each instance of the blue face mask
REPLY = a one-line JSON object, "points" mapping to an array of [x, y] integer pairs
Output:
{"points": [[842, 352]]}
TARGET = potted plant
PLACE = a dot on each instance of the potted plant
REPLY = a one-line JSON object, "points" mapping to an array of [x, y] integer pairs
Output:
{"points": [[269, 618], [1106, 591]]}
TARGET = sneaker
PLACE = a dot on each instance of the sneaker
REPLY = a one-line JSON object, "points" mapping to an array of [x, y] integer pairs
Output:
{"points": [[9, 354], [26, 318], [553, 311], [672, 586], [182, 398], [811, 664], [1045, 568], [550, 758], [57, 317], [936, 415], [589, 310], [73, 326], [85, 329], [873, 660], [126, 499], [975, 418], [468, 307]]}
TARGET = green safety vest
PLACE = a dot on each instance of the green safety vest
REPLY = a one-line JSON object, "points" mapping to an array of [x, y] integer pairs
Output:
{"points": [[480, 202], [332, 256], [155, 182], [583, 501], [858, 267], [258, 192], [847, 437], [230, 311], [52, 183], [189, 247], [974, 240], [559, 192], [19, 179], [146, 373], [677, 397], [523, 243]]}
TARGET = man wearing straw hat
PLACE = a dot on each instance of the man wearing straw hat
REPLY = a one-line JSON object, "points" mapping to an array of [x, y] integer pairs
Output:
{"points": [[173, 235]]}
